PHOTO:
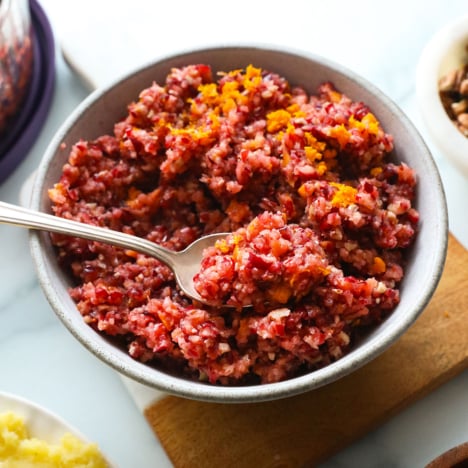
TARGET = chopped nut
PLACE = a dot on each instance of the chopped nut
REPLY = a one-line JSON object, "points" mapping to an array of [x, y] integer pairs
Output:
{"points": [[464, 87], [459, 107], [460, 75], [447, 82], [463, 130], [453, 93], [463, 119]]}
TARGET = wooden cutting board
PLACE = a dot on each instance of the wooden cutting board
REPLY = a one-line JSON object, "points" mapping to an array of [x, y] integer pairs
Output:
{"points": [[323, 421]]}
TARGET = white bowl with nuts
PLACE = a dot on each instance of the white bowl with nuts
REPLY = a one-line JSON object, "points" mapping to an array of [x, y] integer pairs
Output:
{"points": [[442, 91]]}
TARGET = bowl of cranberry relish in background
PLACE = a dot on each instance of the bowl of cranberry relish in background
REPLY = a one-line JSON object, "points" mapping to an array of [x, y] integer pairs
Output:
{"points": [[336, 209]]}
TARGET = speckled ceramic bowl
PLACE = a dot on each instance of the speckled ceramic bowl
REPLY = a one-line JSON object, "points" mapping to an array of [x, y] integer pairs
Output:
{"points": [[96, 115], [446, 51]]}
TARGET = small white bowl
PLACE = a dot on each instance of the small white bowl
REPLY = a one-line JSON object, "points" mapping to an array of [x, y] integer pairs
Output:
{"points": [[446, 51], [41, 423]]}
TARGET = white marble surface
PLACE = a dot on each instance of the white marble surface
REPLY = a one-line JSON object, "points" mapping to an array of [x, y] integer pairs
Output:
{"points": [[380, 40]]}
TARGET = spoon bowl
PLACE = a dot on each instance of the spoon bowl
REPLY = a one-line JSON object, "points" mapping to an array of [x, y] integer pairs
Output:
{"points": [[184, 264]]}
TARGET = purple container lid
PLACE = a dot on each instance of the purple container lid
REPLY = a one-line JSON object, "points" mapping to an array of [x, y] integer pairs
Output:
{"points": [[27, 124]]}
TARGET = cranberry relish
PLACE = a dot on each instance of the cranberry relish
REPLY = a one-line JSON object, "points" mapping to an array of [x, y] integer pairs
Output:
{"points": [[320, 219]]}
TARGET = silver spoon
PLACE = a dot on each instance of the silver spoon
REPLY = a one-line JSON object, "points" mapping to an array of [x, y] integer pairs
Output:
{"points": [[184, 264]]}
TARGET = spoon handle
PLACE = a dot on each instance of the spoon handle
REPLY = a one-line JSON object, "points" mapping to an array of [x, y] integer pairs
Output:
{"points": [[24, 217]]}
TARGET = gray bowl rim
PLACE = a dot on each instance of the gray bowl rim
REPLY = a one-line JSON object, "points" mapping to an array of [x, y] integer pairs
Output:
{"points": [[178, 386]]}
